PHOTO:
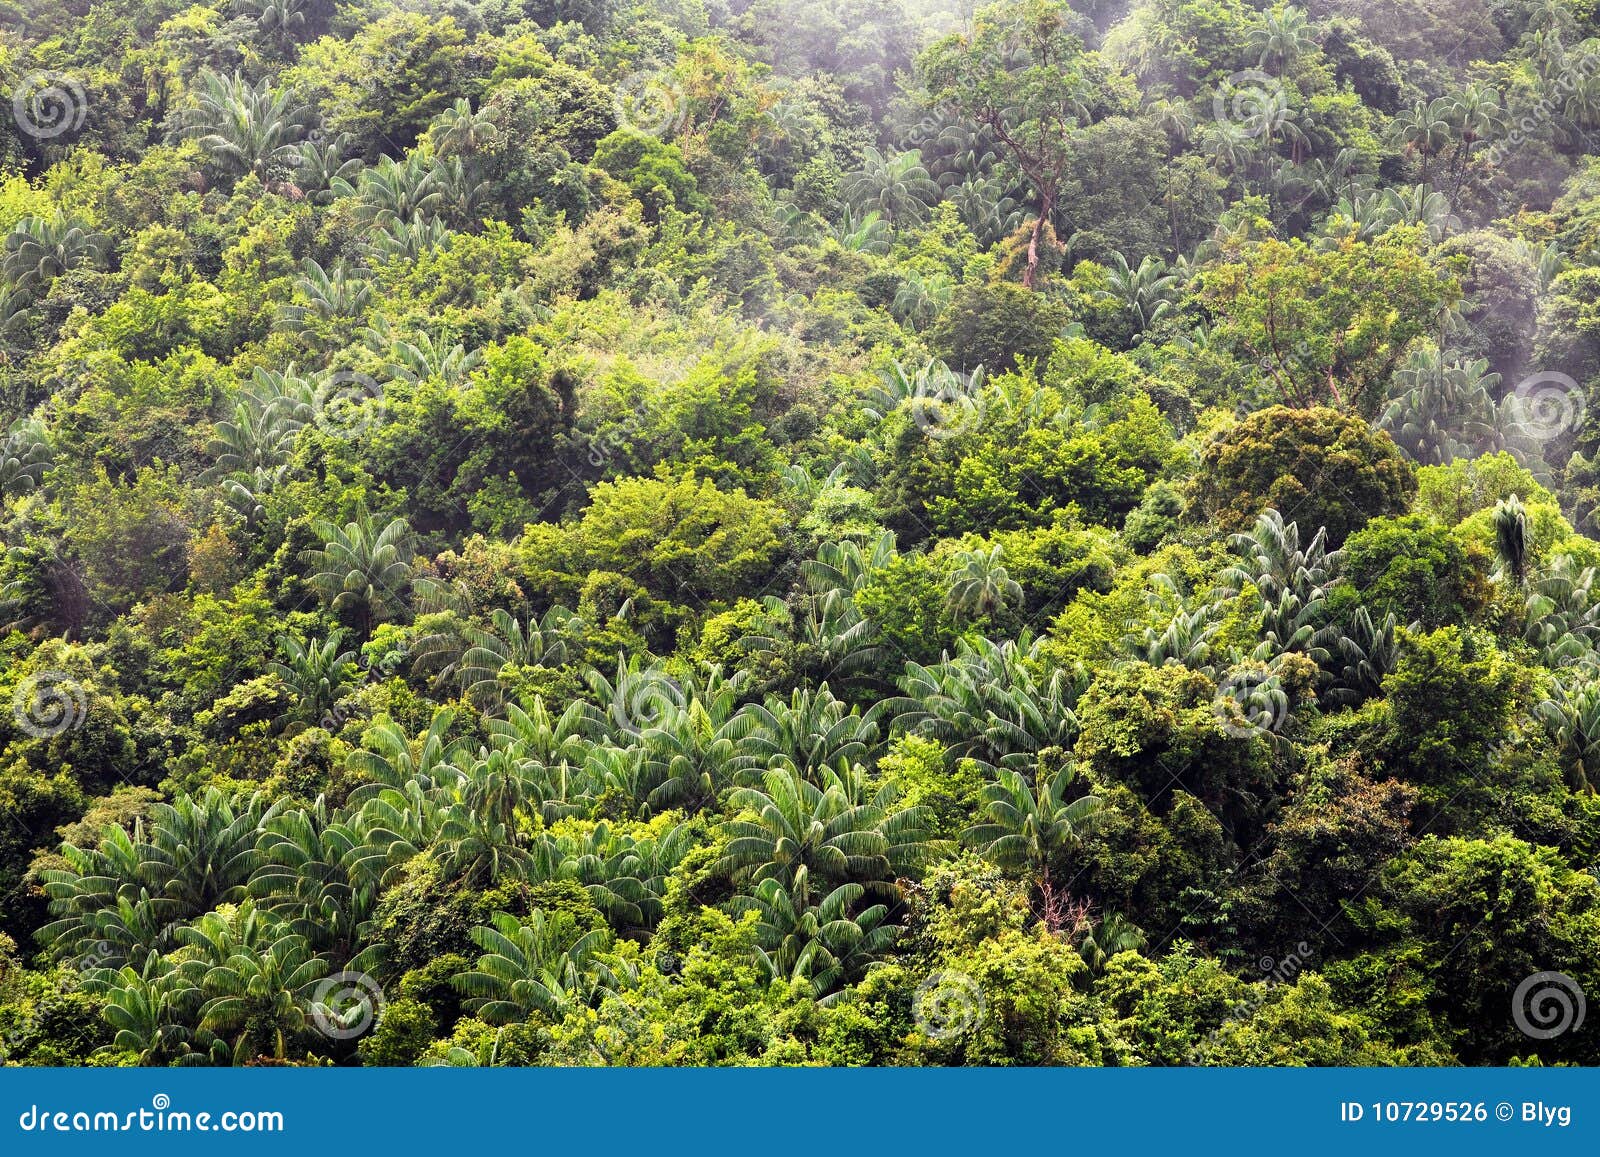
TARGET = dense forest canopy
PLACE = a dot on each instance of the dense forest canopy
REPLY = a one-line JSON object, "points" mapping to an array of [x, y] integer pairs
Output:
{"points": [[799, 532]]}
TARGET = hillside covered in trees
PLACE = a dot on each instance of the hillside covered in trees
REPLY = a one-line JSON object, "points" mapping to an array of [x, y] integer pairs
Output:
{"points": [[699, 532]]}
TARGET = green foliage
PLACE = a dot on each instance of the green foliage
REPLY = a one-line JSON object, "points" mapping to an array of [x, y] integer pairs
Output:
{"points": [[1319, 468], [798, 533]]}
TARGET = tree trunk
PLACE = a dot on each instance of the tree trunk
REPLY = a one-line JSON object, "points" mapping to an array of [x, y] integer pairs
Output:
{"points": [[1030, 274]]}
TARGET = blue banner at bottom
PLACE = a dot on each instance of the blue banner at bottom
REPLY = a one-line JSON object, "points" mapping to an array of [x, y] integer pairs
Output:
{"points": [[779, 1112]]}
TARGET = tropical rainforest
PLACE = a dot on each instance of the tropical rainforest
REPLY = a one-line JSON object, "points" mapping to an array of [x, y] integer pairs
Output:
{"points": [[799, 532]]}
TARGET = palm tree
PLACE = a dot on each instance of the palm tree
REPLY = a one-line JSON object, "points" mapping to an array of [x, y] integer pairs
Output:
{"points": [[1146, 292], [244, 127], [258, 978], [326, 297], [1175, 118], [529, 732], [388, 758], [1292, 582], [1181, 636], [407, 240], [980, 585], [316, 675], [986, 208], [1114, 934], [1441, 411], [394, 190], [809, 734], [460, 130], [829, 945], [421, 357], [322, 875], [625, 874], [280, 21], [693, 754], [266, 418], [934, 394], [478, 850], [1421, 205], [1511, 538], [1425, 130], [1561, 616], [865, 232], [1281, 39], [827, 828], [897, 186], [921, 298], [362, 565], [819, 635], [1572, 714], [1582, 104], [130, 892], [1230, 145], [40, 249], [507, 646], [1031, 828], [153, 1013], [539, 965], [990, 703], [25, 455], [1367, 652], [1476, 114], [322, 161], [463, 197]]}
